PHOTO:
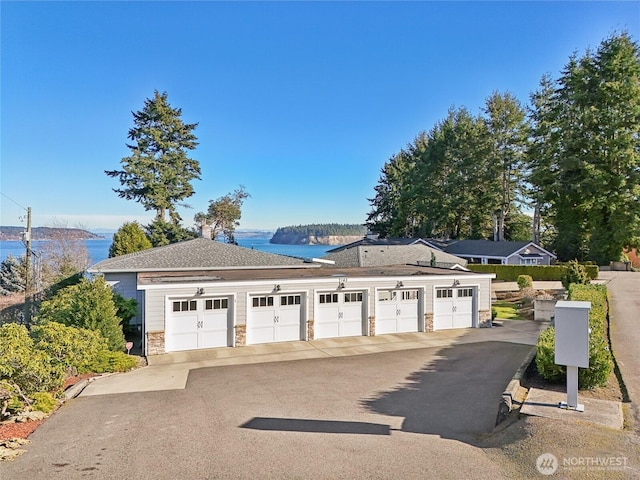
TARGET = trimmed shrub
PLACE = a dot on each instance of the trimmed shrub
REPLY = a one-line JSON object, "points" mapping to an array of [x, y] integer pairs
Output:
{"points": [[107, 361], [21, 363], [44, 402], [510, 273], [600, 360], [525, 281], [89, 304], [69, 347], [574, 273]]}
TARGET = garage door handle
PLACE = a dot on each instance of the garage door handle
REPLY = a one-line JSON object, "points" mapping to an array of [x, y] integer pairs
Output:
{"points": [[455, 308], [276, 319]]}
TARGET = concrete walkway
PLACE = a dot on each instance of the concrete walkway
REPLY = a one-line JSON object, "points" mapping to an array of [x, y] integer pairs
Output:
{"points": [[624, 292], [171, 371]]}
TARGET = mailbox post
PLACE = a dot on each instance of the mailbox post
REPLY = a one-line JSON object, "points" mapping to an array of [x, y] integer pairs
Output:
{"points": [[572, 345]]}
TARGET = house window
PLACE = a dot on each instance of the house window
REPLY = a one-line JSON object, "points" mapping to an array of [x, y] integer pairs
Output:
{"points": [[465, 292], [263, 302], [216, 304], [409, 295], [529, 261], [328, 298], [444, 293], [353, 297], [290, 300], [185, 306]]}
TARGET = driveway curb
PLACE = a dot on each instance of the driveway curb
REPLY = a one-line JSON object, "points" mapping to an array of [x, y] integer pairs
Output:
{"points": [[506, 401]]}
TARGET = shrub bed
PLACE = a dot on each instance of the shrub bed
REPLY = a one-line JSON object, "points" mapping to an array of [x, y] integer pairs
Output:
{"points": [[600, 360], [510, 273]]}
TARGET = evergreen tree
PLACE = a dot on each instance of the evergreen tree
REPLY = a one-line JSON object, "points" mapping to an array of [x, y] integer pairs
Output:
{"points": [[12, 275], [585, 159], [161, 232], [129, 238], [88, 304], [158, 173]]}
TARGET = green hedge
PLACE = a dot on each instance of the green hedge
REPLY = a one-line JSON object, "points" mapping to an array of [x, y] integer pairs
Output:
{"points": [[600, 360], [510, 273]]}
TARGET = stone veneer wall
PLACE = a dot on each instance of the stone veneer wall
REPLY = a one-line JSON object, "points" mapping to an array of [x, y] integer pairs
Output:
{"points": [[428, 322], [310, 330], [372, 326], [155, 343], [241, 335], [485, 318]]}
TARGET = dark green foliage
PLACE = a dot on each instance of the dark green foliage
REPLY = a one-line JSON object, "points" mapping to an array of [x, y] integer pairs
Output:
{"points": [[317, 230], [600, 360], [158, 173], [585, 161], [510, 273], [574, 274], [129, 238], [223, 215], [524, 281], [12, 275], [161, 232], [89, 304], [127, 308]]}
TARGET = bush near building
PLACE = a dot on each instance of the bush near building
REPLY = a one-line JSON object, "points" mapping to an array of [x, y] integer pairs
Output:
{"points": [[600, 360], [549, 273]]}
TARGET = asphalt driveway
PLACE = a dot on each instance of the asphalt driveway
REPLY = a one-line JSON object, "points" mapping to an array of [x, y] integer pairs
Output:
{"points": [[404, 414]]}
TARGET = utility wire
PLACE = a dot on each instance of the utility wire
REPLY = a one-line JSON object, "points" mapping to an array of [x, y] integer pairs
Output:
{"points": [[12, 200]]}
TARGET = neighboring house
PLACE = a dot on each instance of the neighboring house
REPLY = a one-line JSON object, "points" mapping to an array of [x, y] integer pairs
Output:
{"points": [[370, 252], [504, 253], [202, 294]]}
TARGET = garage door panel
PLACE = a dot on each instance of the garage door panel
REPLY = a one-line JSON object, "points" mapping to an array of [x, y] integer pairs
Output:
{"points": [[194, 323], [274, 318], [397, 311], [453, 308], [339, 315]]}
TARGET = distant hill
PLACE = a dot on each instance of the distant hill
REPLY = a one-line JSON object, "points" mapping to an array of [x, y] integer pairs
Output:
{"points": [[319, 234], [47, 233]]}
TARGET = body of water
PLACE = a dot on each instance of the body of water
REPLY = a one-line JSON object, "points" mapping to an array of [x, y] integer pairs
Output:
{"points": [[99, 249]]}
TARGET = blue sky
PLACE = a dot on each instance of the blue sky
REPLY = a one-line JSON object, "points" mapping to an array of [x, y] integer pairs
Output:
{"points": [[300, 102]]}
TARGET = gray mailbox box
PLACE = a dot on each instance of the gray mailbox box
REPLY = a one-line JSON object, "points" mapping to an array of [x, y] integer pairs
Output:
{"points": [[572, 344]]}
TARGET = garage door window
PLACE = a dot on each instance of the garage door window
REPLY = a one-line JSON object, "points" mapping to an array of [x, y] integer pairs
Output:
{"points": [[263, 301], [444, 293], [328, 298], [353, 297], [465, 292], [216, 304], [290, 300], [185, 306], [386, 295], [409, 295]]}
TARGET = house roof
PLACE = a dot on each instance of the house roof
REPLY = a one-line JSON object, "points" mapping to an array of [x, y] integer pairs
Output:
{"points": [[380, 241], [175, 277], [488, 248], [197, 254], [379, 254]]}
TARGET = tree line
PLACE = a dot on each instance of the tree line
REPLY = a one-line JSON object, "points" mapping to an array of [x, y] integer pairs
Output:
{"points": [[319, 230], [563, 170]]}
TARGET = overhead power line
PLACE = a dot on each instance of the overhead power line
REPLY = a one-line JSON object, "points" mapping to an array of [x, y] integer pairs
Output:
{"points": [[12, 200]]}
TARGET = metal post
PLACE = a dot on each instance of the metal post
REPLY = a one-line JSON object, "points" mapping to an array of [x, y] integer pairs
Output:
{"points": [[572, 389]]}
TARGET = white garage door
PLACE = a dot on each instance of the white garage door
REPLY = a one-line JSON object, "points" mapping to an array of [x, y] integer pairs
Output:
{"points": [[453, 308], [397, 311], [274, 318], [200, 323], [339, 315]]}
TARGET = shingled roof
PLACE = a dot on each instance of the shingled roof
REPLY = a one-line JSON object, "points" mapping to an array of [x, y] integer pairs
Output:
{"points": [[485, 248], [196, 254]]}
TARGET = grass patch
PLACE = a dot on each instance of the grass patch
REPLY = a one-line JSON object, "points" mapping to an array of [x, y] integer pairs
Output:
{"points": [[506, 310]]}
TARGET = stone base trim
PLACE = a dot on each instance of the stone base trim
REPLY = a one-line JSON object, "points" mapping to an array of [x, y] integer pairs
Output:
{"points": [[372, 326], [155, 343], [240, 335], [310, 330], [484, 319], [428, 322]]}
